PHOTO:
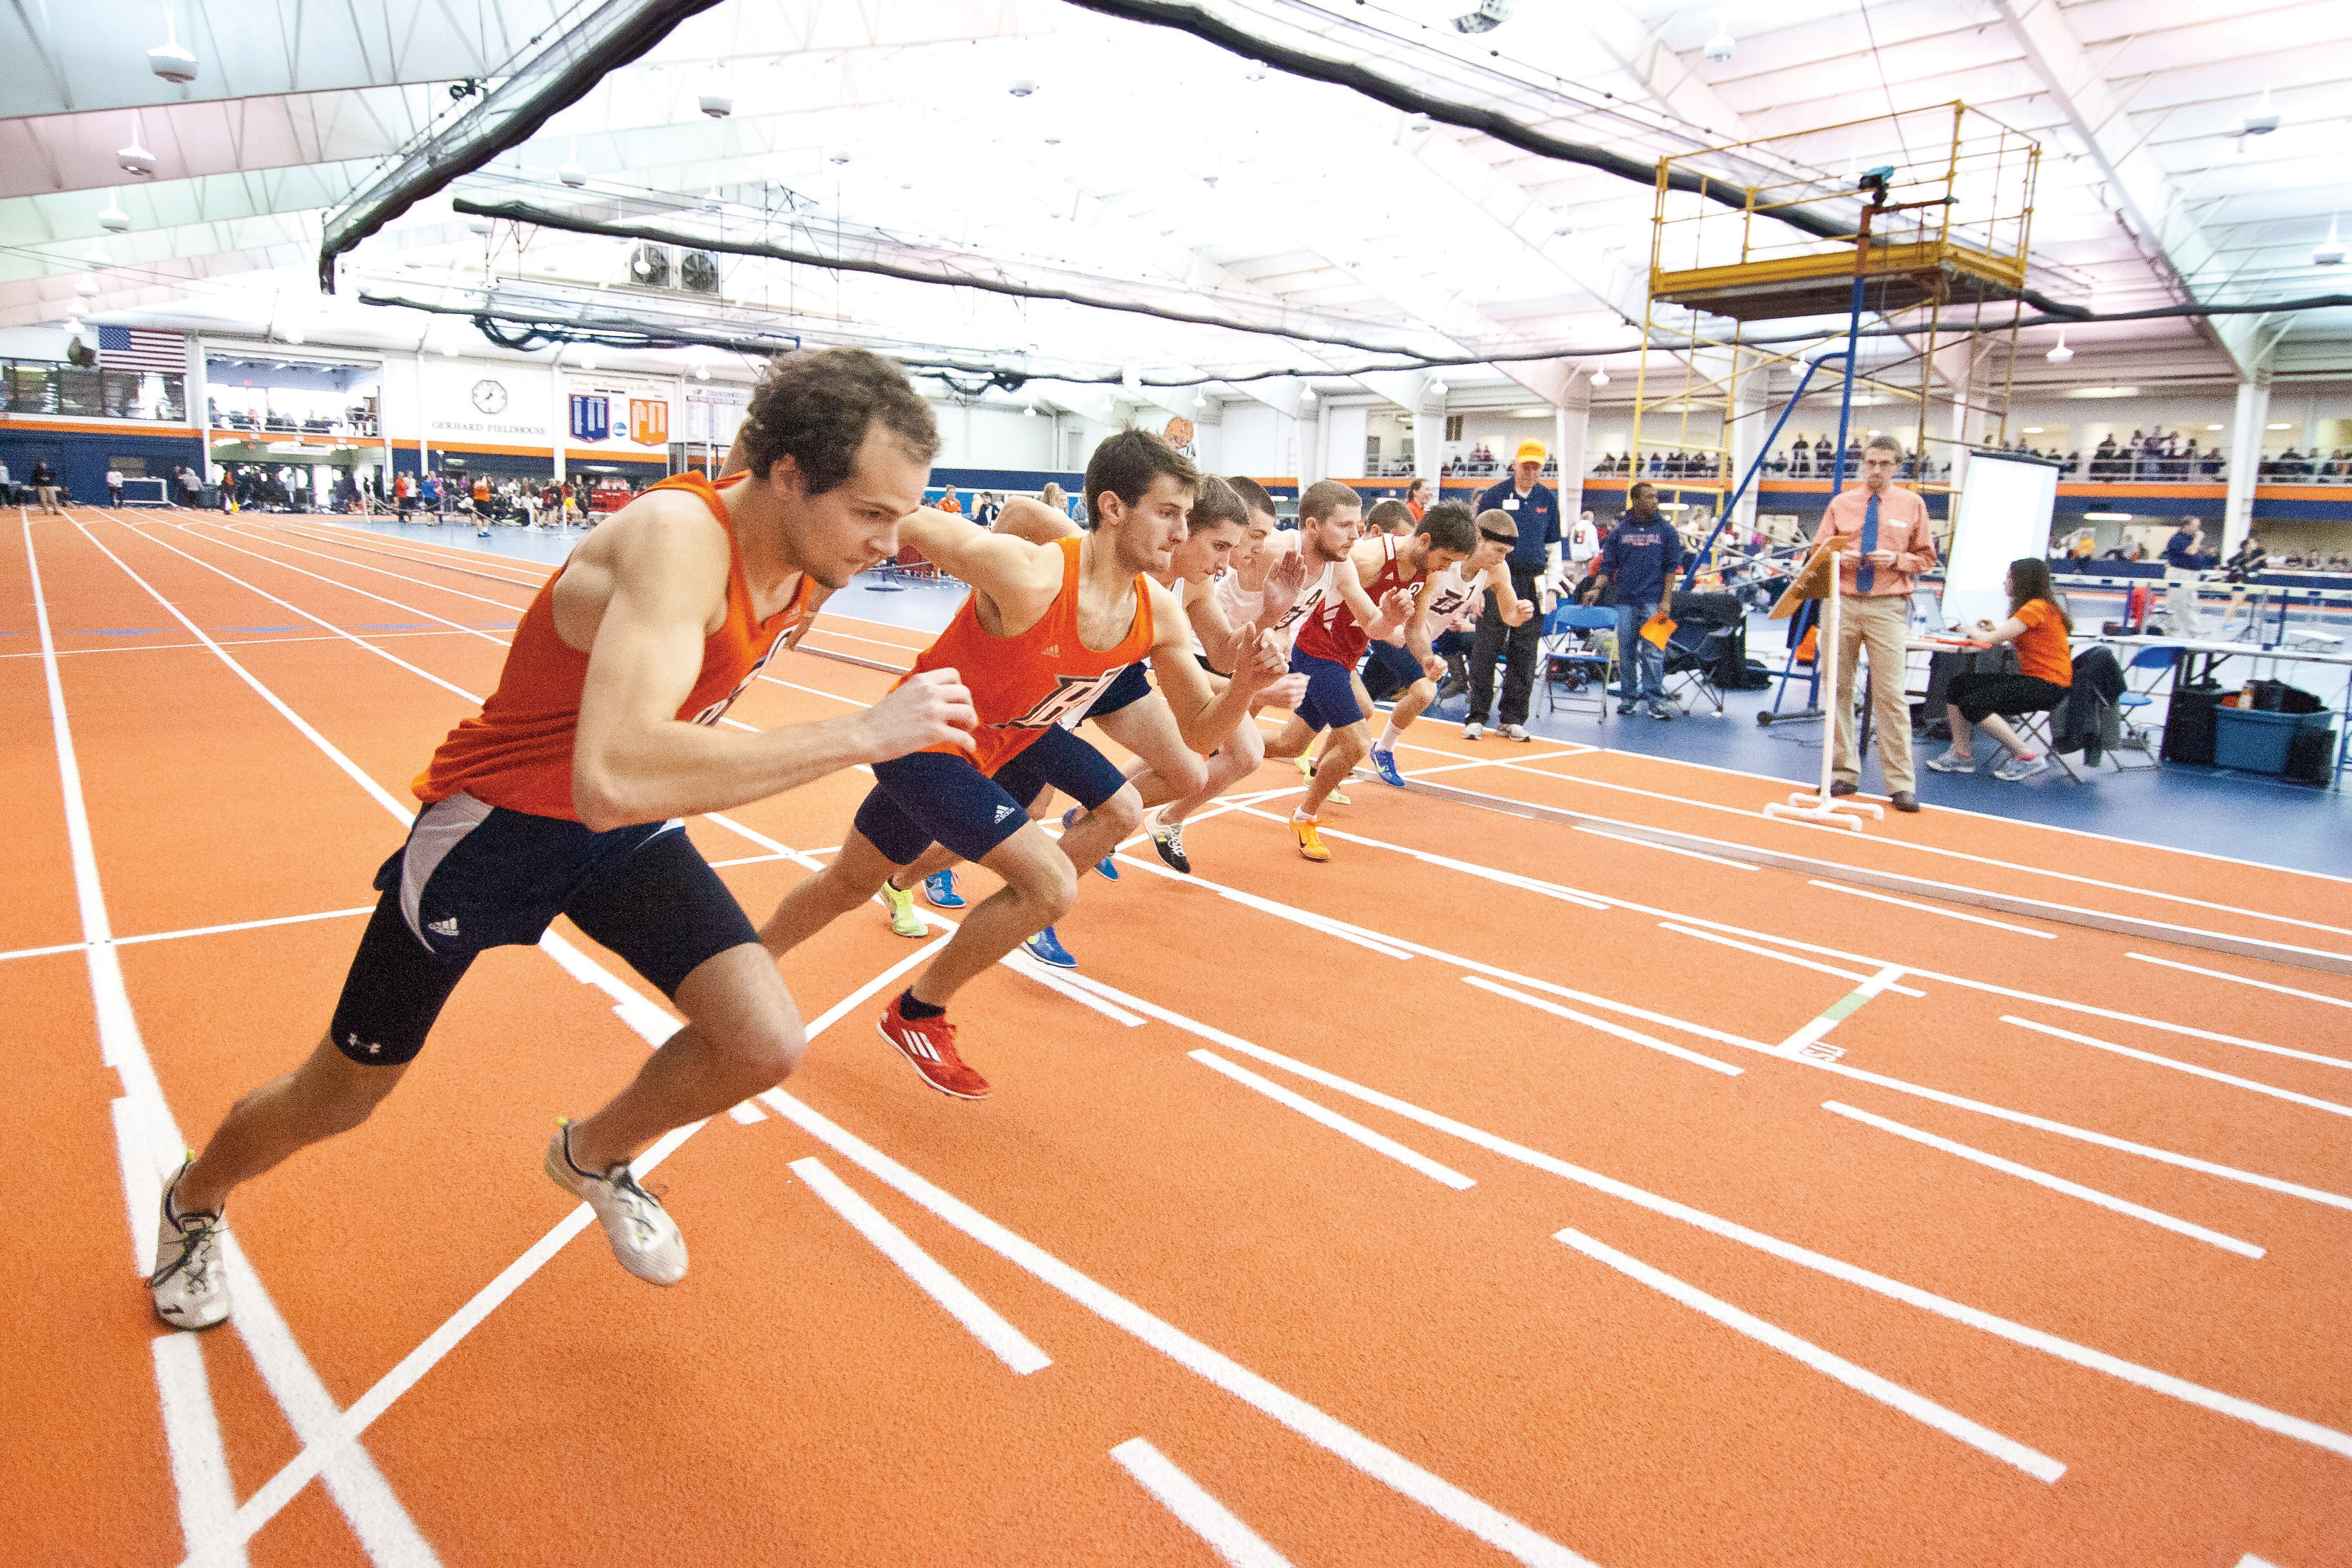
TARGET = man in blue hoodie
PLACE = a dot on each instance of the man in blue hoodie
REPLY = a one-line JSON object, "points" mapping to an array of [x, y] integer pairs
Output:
{"points": [[1641, 557]]}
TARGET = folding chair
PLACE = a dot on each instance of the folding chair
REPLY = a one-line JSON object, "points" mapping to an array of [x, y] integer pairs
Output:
{"points": [[1706, 626], [1568, 655], [2042, 725]]}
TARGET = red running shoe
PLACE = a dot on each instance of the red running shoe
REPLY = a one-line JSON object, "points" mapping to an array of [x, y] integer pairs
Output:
{"points": [[929, 1044]]}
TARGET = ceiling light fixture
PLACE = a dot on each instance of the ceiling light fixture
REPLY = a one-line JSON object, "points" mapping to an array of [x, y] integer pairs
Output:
{"points": [[2262, 121], [167, 59], [587, 359], [1307, 395], [1021, 87], [1719, 48], [2062, 353], [1599, 376], [112, 217], [73, 326], [1030, 413], [717, 105], [136, 158], [2330, 254], [1417, 123], [571, 173], [838, 158]]}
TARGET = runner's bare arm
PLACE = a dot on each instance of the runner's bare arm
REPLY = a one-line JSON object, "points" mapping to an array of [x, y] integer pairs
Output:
{"points": [[1035, 521], [633, 760], [1219, 642], [1204, 716], [1015, 579], [1348, 589], [1514, 609]]}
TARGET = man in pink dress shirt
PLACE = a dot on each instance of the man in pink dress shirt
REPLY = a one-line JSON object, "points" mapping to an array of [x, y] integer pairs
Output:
{"points": [[1884, 541]]}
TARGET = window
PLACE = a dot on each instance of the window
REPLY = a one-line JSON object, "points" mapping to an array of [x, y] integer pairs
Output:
{"points": [[1453, 426]]}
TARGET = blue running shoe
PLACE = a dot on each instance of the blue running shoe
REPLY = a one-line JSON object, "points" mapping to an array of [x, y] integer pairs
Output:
{"points": [[1104, 866], [1384, 762], [1046, 949], [939, 891]]}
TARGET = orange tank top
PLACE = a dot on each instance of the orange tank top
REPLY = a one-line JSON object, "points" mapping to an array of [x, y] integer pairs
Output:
{"points": [[1022, 685], [517, 753]]}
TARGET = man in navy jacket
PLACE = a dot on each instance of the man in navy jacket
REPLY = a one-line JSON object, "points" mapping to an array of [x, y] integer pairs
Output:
{"points": [[1642, 558], [1534, 561]]}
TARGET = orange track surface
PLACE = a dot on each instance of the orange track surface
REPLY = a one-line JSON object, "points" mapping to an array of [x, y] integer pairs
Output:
{"points": [[1442, 1380]]}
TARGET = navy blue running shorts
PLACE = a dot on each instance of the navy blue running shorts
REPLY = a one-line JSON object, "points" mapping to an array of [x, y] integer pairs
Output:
{"points": [[1130, 687], [1455, 642], [1331, 699], [928, 797], [1388, 669], [473, 876]]}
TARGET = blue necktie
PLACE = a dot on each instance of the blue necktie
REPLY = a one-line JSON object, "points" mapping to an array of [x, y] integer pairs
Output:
{"points": [[1865, 574]]}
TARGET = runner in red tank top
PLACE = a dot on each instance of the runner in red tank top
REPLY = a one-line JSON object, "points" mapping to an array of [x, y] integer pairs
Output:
{"points": [[558, 799], [1047, 628]]}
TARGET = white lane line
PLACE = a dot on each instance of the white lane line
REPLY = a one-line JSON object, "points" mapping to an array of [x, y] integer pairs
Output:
{"points": [[225, 643], [2240, 979], [324, 1448], [1008, 1344], [150, 1145], [2051, 1345], [1918, 1406], [1855, 974], [1509, 879], [1275, 1091], [2250, 1561], [1449, 1502], [1635, 1035], [196, 931], [1385, 946], [2272, 1090], [1932, 909], [2044, 1178], [1199, 1513], [1045, 975], [199, 1462], [1669, 849], [2084, 1135], [359, 566]]}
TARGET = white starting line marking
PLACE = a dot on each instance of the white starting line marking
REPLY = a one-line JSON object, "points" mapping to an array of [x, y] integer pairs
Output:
{"points": [[1854, 975], [1919, 1408], [1619, 1030], [1933, 909], [1009, 1346], [2240, 979], [1202, 1514], [1336, 1122], [2189, 1067], [2044, 1178]]}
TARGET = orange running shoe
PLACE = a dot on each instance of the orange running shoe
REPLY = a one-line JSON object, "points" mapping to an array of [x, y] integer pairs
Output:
{"points": [[1310, 842], [929, 1044]]}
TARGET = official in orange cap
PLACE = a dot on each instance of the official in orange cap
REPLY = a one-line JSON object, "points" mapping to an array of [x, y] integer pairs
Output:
{"points": [[1534, 561]]}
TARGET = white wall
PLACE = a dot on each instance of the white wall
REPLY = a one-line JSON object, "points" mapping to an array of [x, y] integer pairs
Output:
{"points": [[1258, 440]]}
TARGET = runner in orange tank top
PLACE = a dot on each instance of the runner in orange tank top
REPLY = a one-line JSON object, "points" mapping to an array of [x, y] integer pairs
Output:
{"points": [[560, 798], [1046, 629]]}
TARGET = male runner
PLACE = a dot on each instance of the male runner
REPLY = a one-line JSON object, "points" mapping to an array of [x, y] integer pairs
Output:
{"points": [[1393, 518], [1130, 711], [1451, 603], [562, 797], [1045, 629], [1331, 640]]}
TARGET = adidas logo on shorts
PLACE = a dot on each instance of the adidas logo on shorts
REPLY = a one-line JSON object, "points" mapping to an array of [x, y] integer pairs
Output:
{"points": [[1004, 811], [444, 927]]}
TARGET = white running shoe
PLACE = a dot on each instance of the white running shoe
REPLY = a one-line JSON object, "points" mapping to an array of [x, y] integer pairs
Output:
{"points": [[190, 1285], [1517, 732], [1952, 762], [2017, 769], [645, 1239], [1474, 730]]}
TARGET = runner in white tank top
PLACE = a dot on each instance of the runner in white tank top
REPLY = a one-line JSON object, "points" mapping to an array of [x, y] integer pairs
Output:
{"points": [[1453, 599]]}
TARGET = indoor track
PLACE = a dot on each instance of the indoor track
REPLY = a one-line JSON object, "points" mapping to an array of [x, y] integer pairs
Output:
{"points": [[1504, 1189]]}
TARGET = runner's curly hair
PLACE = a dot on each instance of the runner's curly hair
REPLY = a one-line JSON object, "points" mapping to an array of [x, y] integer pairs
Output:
{"points": [[818, 408]]}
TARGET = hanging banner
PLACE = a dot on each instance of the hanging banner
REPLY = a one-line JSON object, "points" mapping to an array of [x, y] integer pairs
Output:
{"points": [[649, 421], [591, 417]]}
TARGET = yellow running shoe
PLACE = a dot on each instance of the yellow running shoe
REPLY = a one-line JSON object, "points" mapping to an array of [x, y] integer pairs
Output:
{"points": [[900, 903], [1310, 842]]}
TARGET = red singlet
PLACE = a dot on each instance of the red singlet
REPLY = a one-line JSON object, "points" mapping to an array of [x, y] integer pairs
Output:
{"points": [[518, 752], [1332, 632], [1024, 684]]}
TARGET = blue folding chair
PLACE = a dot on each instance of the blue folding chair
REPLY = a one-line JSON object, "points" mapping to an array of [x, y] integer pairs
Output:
{"points": [[1569, 656], [2137, 736]]}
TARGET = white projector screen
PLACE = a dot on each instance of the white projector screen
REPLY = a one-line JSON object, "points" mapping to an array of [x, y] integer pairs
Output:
{"points": [[2004, 514]]}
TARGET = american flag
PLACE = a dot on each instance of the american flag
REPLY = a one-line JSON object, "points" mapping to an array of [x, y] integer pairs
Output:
{"points": [[137, 349]]}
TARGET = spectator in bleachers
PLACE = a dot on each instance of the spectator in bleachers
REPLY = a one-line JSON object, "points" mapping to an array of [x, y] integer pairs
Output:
{"points": [[987, 510], [950, 503], [1418, 496]]}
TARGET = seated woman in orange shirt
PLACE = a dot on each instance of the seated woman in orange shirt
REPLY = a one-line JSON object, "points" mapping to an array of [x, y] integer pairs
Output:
{"points": [[2037, 624]]}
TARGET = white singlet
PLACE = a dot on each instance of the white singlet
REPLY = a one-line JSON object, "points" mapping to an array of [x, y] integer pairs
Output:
{"points": [[1243, 606], [1453, 596]]}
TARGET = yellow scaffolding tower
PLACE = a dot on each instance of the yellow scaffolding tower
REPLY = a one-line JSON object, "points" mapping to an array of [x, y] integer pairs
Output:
{"points": [[1927, 215]]}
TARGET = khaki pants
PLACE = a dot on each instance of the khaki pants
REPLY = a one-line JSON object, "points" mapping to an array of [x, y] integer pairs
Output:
{"points": [[49, 499], [1879, 623]]}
